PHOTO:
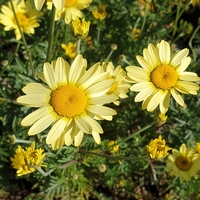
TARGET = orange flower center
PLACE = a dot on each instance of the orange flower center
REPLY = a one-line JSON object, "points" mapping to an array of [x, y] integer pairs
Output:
{"points": [[22, 19], [183, 163], [68, 101], [164, 77], [69, 3]]}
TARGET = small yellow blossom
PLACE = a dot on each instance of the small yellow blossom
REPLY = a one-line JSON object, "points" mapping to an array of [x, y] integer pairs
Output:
{"points": [[70, 49], [26, 17], [100, 12], [157, 148], [27, 160], [161, 118], [114, 148], [80, 28]]}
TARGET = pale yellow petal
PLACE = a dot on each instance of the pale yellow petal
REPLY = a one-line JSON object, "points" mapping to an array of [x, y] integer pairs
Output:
{"points": [[39, 4], [183, 64], [189, 76], [177, 97], [56, 130], [96, 137], [61, 71], [144, 63], [101, 110], [102, 99], [155, 100], [38, 88], [87, 124], [138, 74], [49, 75], [41, 124], [34, 116], [34, 100], [78, 138], [59, 4], [99, 88], [77, 69], [164, 52], [178, 56]]}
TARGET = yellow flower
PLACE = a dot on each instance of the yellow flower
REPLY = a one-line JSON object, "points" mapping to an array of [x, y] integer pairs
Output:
{"points": [[120, 86], [157, 148], [27, 18], [72, 9], [184, 163], [70, 100], [70, 49], [100, 12], [197, 148], [114, 148], [195, 3], [80, 28], [26, 160], [161, 76]]}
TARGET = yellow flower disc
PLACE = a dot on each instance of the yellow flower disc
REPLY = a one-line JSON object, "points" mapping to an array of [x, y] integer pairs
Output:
{"points": [[164, 77], [68, 101], [22, 19], [183, 163], [69, 3]]}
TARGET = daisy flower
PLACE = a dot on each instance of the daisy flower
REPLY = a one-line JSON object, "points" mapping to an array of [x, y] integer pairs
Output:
{"points": [[161, 76], [72, 9], [184, 163], [71, 99], [100, 12], [27, 18], [26, 160], [120, 86]]}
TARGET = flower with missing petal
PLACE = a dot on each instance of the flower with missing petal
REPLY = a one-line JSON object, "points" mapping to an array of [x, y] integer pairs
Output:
{"points": [[27, 160], [157, 148], [26, 17], [161, 76], [184, 163], [70, 100]]}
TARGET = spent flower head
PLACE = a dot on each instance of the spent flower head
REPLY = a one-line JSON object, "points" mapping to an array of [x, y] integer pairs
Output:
{"points": [[80, 28], [157, 148], [70, 49], [27, 160], [26, 18], [70, 99], [100, 12], [162, 75], [184, 163]]}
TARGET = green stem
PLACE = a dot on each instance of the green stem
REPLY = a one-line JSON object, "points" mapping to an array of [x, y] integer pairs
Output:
{"points": [[191, 39], [144, 19], [51, 34], [23, 38], [136, 133], [98, 35], [115, 157], [109, 55], [78, 46]]}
